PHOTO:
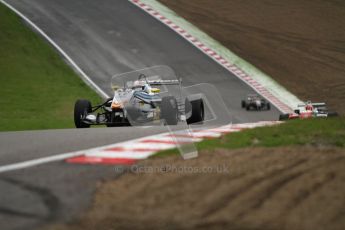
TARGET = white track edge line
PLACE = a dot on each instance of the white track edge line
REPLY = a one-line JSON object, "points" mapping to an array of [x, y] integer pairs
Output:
{"points": [[63, 156]]}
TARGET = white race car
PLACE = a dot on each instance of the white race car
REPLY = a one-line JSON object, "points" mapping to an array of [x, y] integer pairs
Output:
{"points": [[309, 110], [140, 102]]}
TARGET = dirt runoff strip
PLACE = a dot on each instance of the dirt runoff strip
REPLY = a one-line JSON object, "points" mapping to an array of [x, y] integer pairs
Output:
{"points": [[300, 44], [260, 188]]}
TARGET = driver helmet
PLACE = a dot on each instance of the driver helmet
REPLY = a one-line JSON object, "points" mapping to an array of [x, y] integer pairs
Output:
{"points": [[136, 84], [147, 89], [309, 106]]}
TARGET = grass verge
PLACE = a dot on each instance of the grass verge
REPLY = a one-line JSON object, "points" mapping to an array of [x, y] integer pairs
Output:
{"points": [[314, 132], [38, 89]]}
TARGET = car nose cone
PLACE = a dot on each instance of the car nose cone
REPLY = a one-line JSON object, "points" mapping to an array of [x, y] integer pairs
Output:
{"points": [[91, 118]]}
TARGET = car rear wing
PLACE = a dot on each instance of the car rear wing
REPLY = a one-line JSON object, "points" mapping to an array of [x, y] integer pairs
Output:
{"points": [[164, 82], [321, 104]]}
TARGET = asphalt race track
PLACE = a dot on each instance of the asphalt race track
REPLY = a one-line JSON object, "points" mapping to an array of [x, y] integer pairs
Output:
{"points": [[56, 191], [104, 38]]}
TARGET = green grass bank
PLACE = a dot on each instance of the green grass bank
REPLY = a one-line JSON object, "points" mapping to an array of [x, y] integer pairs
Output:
{"points": [[313, 132], [38, 89]]}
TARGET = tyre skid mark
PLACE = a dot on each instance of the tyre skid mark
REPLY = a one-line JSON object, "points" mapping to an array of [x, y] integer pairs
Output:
{"points": [[49, 200], [269, 191], [11, 212], [275, 187], [224, 201]]}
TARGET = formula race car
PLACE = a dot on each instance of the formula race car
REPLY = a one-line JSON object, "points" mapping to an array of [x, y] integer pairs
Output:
{"points": [[255, 102], [144, 101], [308, 110]]}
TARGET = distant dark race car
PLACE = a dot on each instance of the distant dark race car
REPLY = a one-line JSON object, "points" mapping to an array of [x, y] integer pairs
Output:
{"points": [[255, 102]]}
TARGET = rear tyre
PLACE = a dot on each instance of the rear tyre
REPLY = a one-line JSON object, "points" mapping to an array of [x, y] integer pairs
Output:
{"points": [[198, 112], [243, 104], [169, 110], [248, 107], [81, 109], [332, 114], [283, 117]]}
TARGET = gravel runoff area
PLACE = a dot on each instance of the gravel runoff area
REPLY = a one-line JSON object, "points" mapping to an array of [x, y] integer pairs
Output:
{"points": [[299, 43], [253, 188]]}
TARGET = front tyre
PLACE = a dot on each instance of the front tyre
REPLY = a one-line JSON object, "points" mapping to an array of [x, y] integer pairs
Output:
{"points": [[268, 106], [332, 114], [243, 104], [198, 112], [169, 110], [81, 109], [283, 117]]}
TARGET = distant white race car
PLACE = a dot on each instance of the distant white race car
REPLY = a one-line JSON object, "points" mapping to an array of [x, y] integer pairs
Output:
{"points": [[309, 110]]}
